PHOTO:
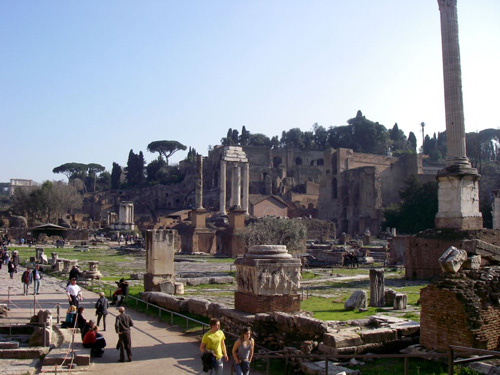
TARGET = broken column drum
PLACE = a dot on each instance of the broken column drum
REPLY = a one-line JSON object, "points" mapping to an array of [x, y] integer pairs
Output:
{"points": [[159, 274], [268, 280], [93, 271]]}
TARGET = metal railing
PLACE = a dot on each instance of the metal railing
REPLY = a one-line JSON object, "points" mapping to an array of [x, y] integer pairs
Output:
{"points": [[166, 311]]}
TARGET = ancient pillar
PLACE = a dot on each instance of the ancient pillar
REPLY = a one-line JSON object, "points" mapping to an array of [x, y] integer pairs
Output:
{"points": [[199, 182], [377, 296], [236, 187], [245, 186], [496, 210], [159, 261], [222, 187], [93, 271], [268, 280], [54, 258], [458, 193]]}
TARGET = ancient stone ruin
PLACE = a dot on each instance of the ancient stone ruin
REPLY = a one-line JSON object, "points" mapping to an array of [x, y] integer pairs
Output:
{"points": [[268, 280], [159, 274], [462, 306]]}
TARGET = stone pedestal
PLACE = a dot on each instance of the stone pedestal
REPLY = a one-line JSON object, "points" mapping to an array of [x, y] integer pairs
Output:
{"points": [[159, 259], [198, 218], [93, 272], [458, 197], [237, 218], [268, 280], [68, 264]]}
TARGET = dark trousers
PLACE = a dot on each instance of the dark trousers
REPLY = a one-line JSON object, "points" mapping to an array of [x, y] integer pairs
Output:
{"points": [[125, 344], [99, 316], [74, 301]]}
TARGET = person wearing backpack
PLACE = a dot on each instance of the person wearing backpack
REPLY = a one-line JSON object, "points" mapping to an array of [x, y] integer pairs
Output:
{"points": [[26, 279]]}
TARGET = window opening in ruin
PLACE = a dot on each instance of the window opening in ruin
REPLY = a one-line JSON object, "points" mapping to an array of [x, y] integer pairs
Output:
{"points": [[334, 188], [277, 161], [320, 162], [298, 161]]}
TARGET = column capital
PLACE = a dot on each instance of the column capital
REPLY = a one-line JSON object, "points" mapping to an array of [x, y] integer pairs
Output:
{"points": [[447, 3]]}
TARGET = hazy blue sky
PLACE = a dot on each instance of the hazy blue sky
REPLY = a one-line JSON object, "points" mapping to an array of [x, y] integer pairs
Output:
{"points": [[86, 81]]}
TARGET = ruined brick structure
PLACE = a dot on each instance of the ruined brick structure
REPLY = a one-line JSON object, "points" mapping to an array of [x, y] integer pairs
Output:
{"points": [[462, 309], [355, 187]]}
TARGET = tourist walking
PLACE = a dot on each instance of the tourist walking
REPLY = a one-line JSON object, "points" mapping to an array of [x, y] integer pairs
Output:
{"points": [[74, 293], [123, 324], [11, 267], [26, 279], [101, 309], [37, 277], [213, 343], [242, 352]]}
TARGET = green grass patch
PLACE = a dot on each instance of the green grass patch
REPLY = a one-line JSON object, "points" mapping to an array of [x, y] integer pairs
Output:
{"points": [[396, 366], [327, 309]]}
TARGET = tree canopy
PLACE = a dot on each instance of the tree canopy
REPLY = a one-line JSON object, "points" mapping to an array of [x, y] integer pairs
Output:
{"points": [[166, 148]]}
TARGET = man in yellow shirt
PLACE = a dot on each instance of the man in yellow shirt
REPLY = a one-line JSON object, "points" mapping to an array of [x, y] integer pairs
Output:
{"points": [[214, 341]]}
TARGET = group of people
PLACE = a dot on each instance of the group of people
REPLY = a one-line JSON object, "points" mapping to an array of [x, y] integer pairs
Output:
{"points": [[11, 260], [91, 338], [213, 347], [31, 276]]}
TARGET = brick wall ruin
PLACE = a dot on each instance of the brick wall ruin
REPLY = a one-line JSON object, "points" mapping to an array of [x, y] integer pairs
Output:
{"points": [[462, 309]]}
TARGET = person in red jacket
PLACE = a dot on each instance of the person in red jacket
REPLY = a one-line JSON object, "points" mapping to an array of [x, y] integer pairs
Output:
{"points": [[94, 341]]}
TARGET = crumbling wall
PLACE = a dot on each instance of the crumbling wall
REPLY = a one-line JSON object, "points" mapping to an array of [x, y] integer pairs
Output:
{"points": [[462, 309]]}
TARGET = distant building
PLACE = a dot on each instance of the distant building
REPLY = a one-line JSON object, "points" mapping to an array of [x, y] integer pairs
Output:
{"points": [[18, 183], [267, 205]]}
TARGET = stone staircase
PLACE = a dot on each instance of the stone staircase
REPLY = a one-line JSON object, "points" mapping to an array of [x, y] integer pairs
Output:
{"points": [[63, 355]]}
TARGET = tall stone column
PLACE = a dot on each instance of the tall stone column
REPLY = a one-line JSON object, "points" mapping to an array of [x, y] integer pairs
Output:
{"points": [[236, 187], [222, 187], [245, 186], [458, 193], [455, 127], [199, 182]]}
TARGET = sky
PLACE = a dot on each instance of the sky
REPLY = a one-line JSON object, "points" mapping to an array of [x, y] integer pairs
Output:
{"points": [[87, 81]]}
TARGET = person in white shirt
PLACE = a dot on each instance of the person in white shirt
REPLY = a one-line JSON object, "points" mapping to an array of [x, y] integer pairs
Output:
{"points": [[74, 293]]}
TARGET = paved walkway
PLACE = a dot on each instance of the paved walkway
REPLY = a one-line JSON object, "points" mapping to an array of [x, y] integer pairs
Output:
{"points": [[155, 348]]}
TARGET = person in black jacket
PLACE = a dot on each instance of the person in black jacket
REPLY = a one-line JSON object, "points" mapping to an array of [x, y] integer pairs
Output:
{"points": [[120, 293], [101, 309]]}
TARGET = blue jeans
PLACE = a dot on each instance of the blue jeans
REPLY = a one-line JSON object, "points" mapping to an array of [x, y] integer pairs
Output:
{"points": [[219, 369], [239, 370], [36, 284]]}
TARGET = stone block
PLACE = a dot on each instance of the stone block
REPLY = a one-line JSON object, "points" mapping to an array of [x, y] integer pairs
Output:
{"points": [[472, 263], [452, 259], [389, 295], [167, 287], [166, 301], [179, 288], [198, 306], [378, 335], [342, 339], [357, 300], [400, 301]]}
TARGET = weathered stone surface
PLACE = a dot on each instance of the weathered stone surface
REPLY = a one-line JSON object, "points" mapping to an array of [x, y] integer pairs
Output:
{"points": [[9, 345], [342, 339], [400, 301], [452, 259], [179, 288], [377, 287], [473, 262], [357, 300], [167, 287], [389, 295], [316, 368], [486, 250], [198, 306], [377, 335], [167, 301], [312, 326]]}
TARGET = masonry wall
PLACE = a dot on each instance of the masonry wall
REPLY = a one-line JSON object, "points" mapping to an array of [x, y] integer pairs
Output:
{"points": [[462, 309]]}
